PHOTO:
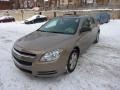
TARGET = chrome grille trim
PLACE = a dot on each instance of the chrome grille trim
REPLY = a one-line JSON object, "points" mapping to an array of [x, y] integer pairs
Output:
{"points": [[22, 55]]}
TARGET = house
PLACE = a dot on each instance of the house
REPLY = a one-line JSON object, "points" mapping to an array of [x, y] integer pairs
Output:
{"points": [[23, 4], [102, 2], [16, 4], [69, 2], [59, 3], [114, 2]]}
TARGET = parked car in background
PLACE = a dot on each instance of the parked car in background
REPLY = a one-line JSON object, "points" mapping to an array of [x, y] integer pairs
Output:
{"points": [[55, 47], [4, 19], [103, 17], [36, 19]]}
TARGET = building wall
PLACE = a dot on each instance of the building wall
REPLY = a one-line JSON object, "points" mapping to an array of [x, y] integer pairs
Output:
{"points": [[26, 3], [75, 3], [102, 2], [115, 2], [5, 5], [65, 2]]}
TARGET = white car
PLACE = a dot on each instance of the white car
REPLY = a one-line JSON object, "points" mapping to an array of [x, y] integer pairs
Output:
{"points": [[36, 19]]}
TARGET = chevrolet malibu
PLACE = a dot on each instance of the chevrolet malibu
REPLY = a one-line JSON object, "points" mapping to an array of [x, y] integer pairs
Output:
{"points": [[56, 46]]}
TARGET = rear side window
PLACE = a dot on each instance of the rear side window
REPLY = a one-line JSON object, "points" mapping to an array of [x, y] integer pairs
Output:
{"points": [[92, 20], [86, 23]]}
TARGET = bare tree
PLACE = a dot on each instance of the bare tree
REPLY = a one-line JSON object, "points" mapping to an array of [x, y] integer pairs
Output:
{"points": [[55, 3], [41, 3], [50, 2], [21, 2], [58, 2], [68, 3]]}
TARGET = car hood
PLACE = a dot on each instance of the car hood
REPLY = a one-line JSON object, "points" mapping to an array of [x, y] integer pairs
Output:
{"points": [[41, 41]]}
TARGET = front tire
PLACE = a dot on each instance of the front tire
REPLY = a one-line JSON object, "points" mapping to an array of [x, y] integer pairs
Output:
{"points": [[72, 61]]}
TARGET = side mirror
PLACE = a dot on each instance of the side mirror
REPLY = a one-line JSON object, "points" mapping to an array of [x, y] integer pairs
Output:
{"points": [[85, 29]]}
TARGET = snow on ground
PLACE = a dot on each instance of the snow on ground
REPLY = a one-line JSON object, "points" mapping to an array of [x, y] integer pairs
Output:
{"points": [[97, 69]]}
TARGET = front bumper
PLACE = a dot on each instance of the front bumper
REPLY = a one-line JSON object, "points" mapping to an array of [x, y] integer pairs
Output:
{"points": [[37, 68]]}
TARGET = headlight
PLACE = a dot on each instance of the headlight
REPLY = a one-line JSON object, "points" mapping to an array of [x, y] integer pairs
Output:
{"points": [[51, 56]]}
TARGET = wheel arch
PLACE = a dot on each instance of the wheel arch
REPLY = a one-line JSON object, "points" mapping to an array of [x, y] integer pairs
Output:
{"points": [[77, 48]]}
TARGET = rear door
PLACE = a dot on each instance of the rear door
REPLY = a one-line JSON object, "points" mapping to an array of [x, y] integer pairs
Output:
{"points": [[84, 36], [94, 29]]}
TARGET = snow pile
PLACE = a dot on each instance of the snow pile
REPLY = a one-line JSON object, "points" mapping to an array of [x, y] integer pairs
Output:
{"points": [[97, 69], [6, 17]]}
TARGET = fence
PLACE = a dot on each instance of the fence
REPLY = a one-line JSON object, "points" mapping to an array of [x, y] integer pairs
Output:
{"points": [[24, 14]]}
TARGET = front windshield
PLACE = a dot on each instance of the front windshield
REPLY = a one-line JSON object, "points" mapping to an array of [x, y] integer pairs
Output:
{"points": [[61, 25]]}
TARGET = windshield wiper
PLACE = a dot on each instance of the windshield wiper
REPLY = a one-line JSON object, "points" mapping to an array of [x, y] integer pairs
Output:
{"points": [[52, 32], [57, 32], [41, 30]]}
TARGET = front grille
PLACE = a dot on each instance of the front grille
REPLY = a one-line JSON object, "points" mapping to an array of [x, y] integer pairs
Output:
{"points": [[24, 70], [47, 72], [23, 62], [25, 53]]}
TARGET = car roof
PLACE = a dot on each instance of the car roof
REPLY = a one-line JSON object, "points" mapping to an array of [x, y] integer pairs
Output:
{"points": [[74, 16]]}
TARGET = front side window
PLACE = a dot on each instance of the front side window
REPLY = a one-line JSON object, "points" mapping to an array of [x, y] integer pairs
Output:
{"points": [[61, 25], [86, 23]]}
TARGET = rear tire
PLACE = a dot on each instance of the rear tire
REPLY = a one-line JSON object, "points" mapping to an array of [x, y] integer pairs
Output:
{"points": [[72, 61]]}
